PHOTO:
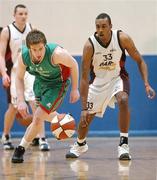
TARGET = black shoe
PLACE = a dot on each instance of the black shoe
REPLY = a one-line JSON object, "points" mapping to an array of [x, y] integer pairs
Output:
{"points": [[8, 146], [18, 155], [35, 142]]}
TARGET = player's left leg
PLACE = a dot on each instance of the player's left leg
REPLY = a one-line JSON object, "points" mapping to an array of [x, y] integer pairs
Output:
{"points": [[8, 123], [31, 132], [40, 140], [124, 122], [9, 118], [80, 146]]}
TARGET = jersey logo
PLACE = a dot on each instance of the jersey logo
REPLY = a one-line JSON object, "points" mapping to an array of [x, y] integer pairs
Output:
{"points": [[40, 69], [48, 105], [107, 63]]}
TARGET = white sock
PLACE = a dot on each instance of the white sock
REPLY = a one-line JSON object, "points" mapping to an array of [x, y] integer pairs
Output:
{"points": [[81, 140], [24, 143], [124, 134]]}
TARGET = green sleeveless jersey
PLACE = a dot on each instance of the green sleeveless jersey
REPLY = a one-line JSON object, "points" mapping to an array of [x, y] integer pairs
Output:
{"points": [[45, 71]]}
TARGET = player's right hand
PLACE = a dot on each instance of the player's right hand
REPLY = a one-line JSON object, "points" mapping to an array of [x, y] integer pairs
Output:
{"points": [[84, 118], [74, 96], [6, 80], [23, 109]]}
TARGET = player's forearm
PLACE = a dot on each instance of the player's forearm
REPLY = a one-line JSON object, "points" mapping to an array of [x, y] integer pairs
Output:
{"points": [[144, 72], [84, 85], [74, 76], [20, 90], [3, 68]]}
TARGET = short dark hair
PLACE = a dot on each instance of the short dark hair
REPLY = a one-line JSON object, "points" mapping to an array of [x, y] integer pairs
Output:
{"points": [[35, 37], [19, 6], [103, 16]]}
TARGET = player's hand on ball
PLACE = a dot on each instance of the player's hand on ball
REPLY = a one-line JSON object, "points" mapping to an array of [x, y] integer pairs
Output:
{"points": [[23, 109]]}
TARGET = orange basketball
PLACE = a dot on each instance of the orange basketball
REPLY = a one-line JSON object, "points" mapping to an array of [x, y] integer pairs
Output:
{"points": [[22, 121], [63, 126]]}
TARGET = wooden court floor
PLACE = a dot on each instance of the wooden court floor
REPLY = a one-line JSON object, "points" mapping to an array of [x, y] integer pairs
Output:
{"points": [[99, 163]]}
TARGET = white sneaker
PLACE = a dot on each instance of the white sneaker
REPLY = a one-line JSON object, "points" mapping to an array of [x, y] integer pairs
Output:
{"points": [[43, 145], [76, 150], [123, 152], [6, 141]]}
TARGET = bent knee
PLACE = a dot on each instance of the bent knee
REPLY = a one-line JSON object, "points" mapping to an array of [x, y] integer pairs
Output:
{"points": [[123, 99], [37, 121]]}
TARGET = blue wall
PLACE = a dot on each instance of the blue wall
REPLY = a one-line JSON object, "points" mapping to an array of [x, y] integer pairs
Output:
{"points": [[143, 110]]}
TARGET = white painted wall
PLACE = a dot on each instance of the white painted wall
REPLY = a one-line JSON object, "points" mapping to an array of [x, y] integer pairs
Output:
{"points": [[71, 22]]}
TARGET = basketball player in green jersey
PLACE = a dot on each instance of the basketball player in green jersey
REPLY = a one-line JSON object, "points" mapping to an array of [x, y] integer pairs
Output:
{"points": [[52, 66]]}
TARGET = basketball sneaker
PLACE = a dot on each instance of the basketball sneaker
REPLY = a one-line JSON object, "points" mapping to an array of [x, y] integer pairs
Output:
{"points": [[76, 150], [123, 152], [6, 141], [43, 144], [18, 155], [35, 142]]}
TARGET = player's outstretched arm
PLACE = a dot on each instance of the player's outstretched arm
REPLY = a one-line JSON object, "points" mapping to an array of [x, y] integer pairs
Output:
{"points": [[128, 44]]}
